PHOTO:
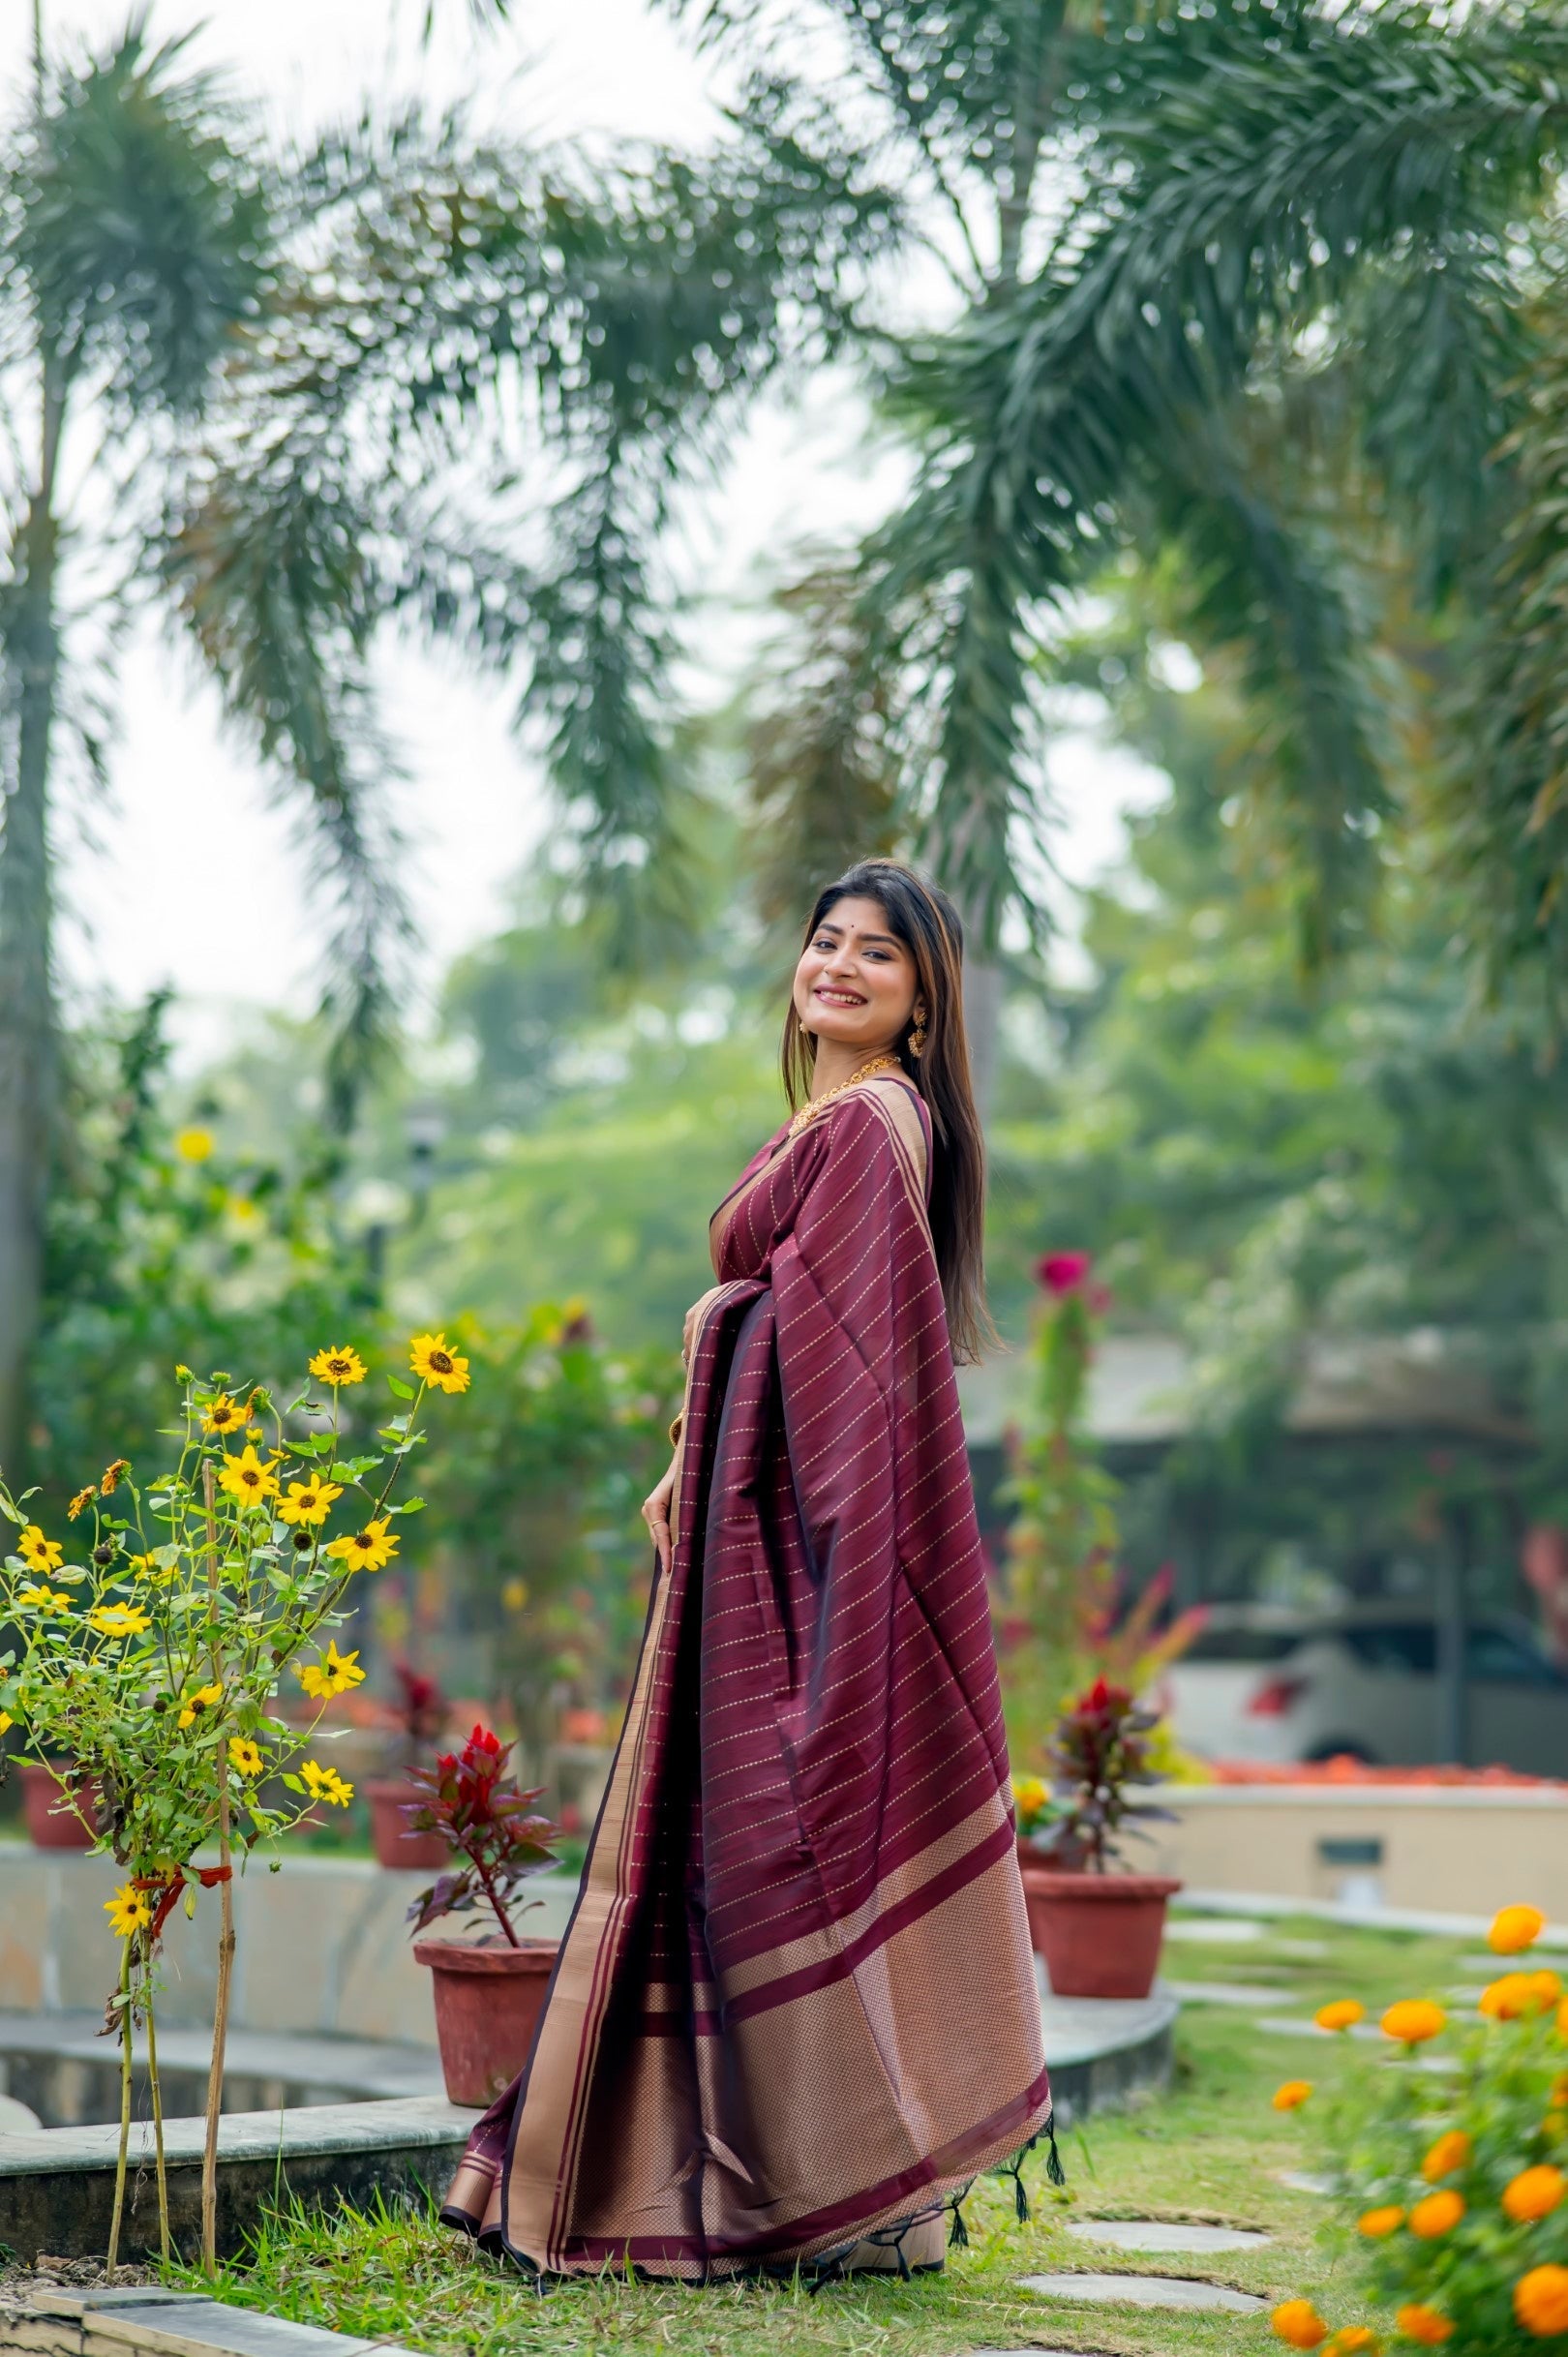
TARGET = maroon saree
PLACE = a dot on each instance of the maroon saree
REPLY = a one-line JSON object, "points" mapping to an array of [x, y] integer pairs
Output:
{"points": [[796, 2006]]}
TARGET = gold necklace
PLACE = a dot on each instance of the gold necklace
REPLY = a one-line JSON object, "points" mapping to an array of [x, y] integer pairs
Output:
{"points": [[814, 1104]]}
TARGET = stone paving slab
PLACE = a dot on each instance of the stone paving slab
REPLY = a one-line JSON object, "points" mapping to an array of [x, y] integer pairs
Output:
{"points": [[1143, 2291], [1225, 1993], [1167, 2234], [143, 2321]]}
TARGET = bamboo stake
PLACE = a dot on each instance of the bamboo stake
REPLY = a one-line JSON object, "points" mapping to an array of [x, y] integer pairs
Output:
{"points": [[125, 2110], [226, 1897], [157, 2121]]}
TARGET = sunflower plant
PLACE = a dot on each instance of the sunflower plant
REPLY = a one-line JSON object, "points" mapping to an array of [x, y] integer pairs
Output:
{"points": [[1453, 2182], [158, 1637]]}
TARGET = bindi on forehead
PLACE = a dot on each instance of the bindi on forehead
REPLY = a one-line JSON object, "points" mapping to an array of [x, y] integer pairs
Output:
{"points": [[870, 928]]}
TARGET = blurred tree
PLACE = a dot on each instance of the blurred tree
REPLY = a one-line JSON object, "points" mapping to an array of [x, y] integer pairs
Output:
{"points": [[1276, 287], [407, 349]]}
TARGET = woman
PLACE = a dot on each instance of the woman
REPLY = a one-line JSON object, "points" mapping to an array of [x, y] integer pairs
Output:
{"points": [[796, 2010]]}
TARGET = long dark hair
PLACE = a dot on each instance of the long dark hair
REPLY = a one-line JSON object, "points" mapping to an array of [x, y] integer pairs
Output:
{"points": [[924, 919]]}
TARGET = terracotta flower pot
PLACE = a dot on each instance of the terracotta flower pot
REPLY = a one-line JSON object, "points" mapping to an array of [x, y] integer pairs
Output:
{"points": [[52, 1824], [488, 2004], [1068, 1857], [1099, 1934], [390, 1838]]}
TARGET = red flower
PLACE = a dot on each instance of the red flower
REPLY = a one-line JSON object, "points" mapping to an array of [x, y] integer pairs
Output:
{"points": [[1062, 1273]]}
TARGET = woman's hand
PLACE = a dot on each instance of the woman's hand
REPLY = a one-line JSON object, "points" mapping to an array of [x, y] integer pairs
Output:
{"points": [[656, 1514]]}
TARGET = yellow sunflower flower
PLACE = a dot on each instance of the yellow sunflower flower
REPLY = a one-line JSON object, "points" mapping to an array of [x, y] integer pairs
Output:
{"points": [[222, 1414], [205, 1698], [119, 1619], [5, 1720], [38, 1553], [128, 1909], [309, 1501], [326, 1784], [367, 1550], [322, 1679], [83, 1498], [38, 1598], [156, 1574], [434, 1364], [113, 1475], [194, 1144], [244, 1755], [247, 1479], [337, 1366]]}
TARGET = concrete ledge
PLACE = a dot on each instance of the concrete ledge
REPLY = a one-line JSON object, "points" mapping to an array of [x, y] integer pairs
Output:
{"points": [[1101, 2051], [139, 2320], [57, 2186]]}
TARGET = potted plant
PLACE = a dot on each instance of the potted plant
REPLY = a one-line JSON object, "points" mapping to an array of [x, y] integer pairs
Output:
{"points": [[420, 1715], [58, 1808], [489, 1993], [1045, 1836], [1099, 1931]]}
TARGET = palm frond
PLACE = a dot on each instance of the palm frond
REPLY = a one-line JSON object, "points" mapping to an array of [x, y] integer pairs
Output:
{"points": [[141, 225]]}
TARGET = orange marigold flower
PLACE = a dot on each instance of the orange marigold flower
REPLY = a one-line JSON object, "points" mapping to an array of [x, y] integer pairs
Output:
{"points": [[1292, 2095], [1519, 1994], [1541, 2301], [1418, 2322], [1352, 2340], [1342, 2015], [1298, 2322], [1413, 2020], [1513, 1929], [1534, 2193], [1563, 2018], [1450, 2151], [1437, 2214], [1387, 2220]]}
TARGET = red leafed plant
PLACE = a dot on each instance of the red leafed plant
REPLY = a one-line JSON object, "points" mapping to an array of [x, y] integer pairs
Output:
{"points": [[486, 1821], [1099, 1749]]}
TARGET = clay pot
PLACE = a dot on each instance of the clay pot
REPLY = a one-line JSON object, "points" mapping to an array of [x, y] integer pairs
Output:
{"points": [[1068, 1857], [1099, 1934], [390, 1838], [52, 1824], [488, 2004]]}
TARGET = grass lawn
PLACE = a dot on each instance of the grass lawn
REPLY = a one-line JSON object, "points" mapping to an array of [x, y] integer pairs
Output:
{"points": [[1209, 2152]]}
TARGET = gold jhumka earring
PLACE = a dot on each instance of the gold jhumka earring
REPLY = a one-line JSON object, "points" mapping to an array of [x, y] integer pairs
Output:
{"points": [[916, 1038]]}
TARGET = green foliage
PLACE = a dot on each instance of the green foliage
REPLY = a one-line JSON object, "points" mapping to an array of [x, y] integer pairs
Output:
{"points": [[164, 1241], [536, 1502]]}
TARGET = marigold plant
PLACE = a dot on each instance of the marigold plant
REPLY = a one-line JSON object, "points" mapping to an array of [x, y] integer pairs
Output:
{"points": [[1461, 2235], [155, 1639]]}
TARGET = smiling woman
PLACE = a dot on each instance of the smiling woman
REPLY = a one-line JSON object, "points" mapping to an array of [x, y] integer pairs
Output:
{"points": [[760, 2050]]}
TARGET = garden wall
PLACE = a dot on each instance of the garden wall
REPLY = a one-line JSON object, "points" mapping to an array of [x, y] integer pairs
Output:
{"points": [[1466, 1848]]}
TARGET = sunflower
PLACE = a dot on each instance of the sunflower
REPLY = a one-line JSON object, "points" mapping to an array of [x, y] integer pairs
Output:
{"points": [[128, 1911], [39, 1598], [193, 1145], [6, 1721], [118, 1620], [111, 1476], [367, 1550], [83, 1498], [434, 1363], [337, 1366], [309, 1500], [244, 1755], [326, 1784], [156, 1573], [322, 1679], [222, 1414], [203, 1699], [247, 1479], [38, 1553]]}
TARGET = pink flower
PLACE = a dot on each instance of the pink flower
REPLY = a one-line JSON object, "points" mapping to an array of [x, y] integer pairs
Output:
{"points": [[1062, 1273]]}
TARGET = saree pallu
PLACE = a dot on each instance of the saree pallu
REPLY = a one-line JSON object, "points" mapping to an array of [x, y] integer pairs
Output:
{"points": [[796, 2006]]}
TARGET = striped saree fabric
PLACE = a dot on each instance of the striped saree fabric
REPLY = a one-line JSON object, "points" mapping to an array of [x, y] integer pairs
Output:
{"points": [[796, 2010]]}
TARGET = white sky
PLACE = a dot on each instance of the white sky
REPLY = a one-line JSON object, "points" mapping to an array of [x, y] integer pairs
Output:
{"points": [[189, 876]]}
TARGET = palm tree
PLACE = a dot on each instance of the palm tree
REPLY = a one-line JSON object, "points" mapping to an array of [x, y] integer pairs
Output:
{"points": [[1259, 287], [337, 394]]}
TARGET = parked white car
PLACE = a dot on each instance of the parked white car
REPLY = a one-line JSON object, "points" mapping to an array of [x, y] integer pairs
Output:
{"points": [[1262, 1682]]}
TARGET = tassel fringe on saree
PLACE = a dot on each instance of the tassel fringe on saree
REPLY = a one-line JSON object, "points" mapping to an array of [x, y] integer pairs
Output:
{"points": [[796, 2006]]}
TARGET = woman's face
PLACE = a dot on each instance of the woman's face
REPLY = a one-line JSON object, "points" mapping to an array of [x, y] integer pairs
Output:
{"points": [[856, 983]]}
